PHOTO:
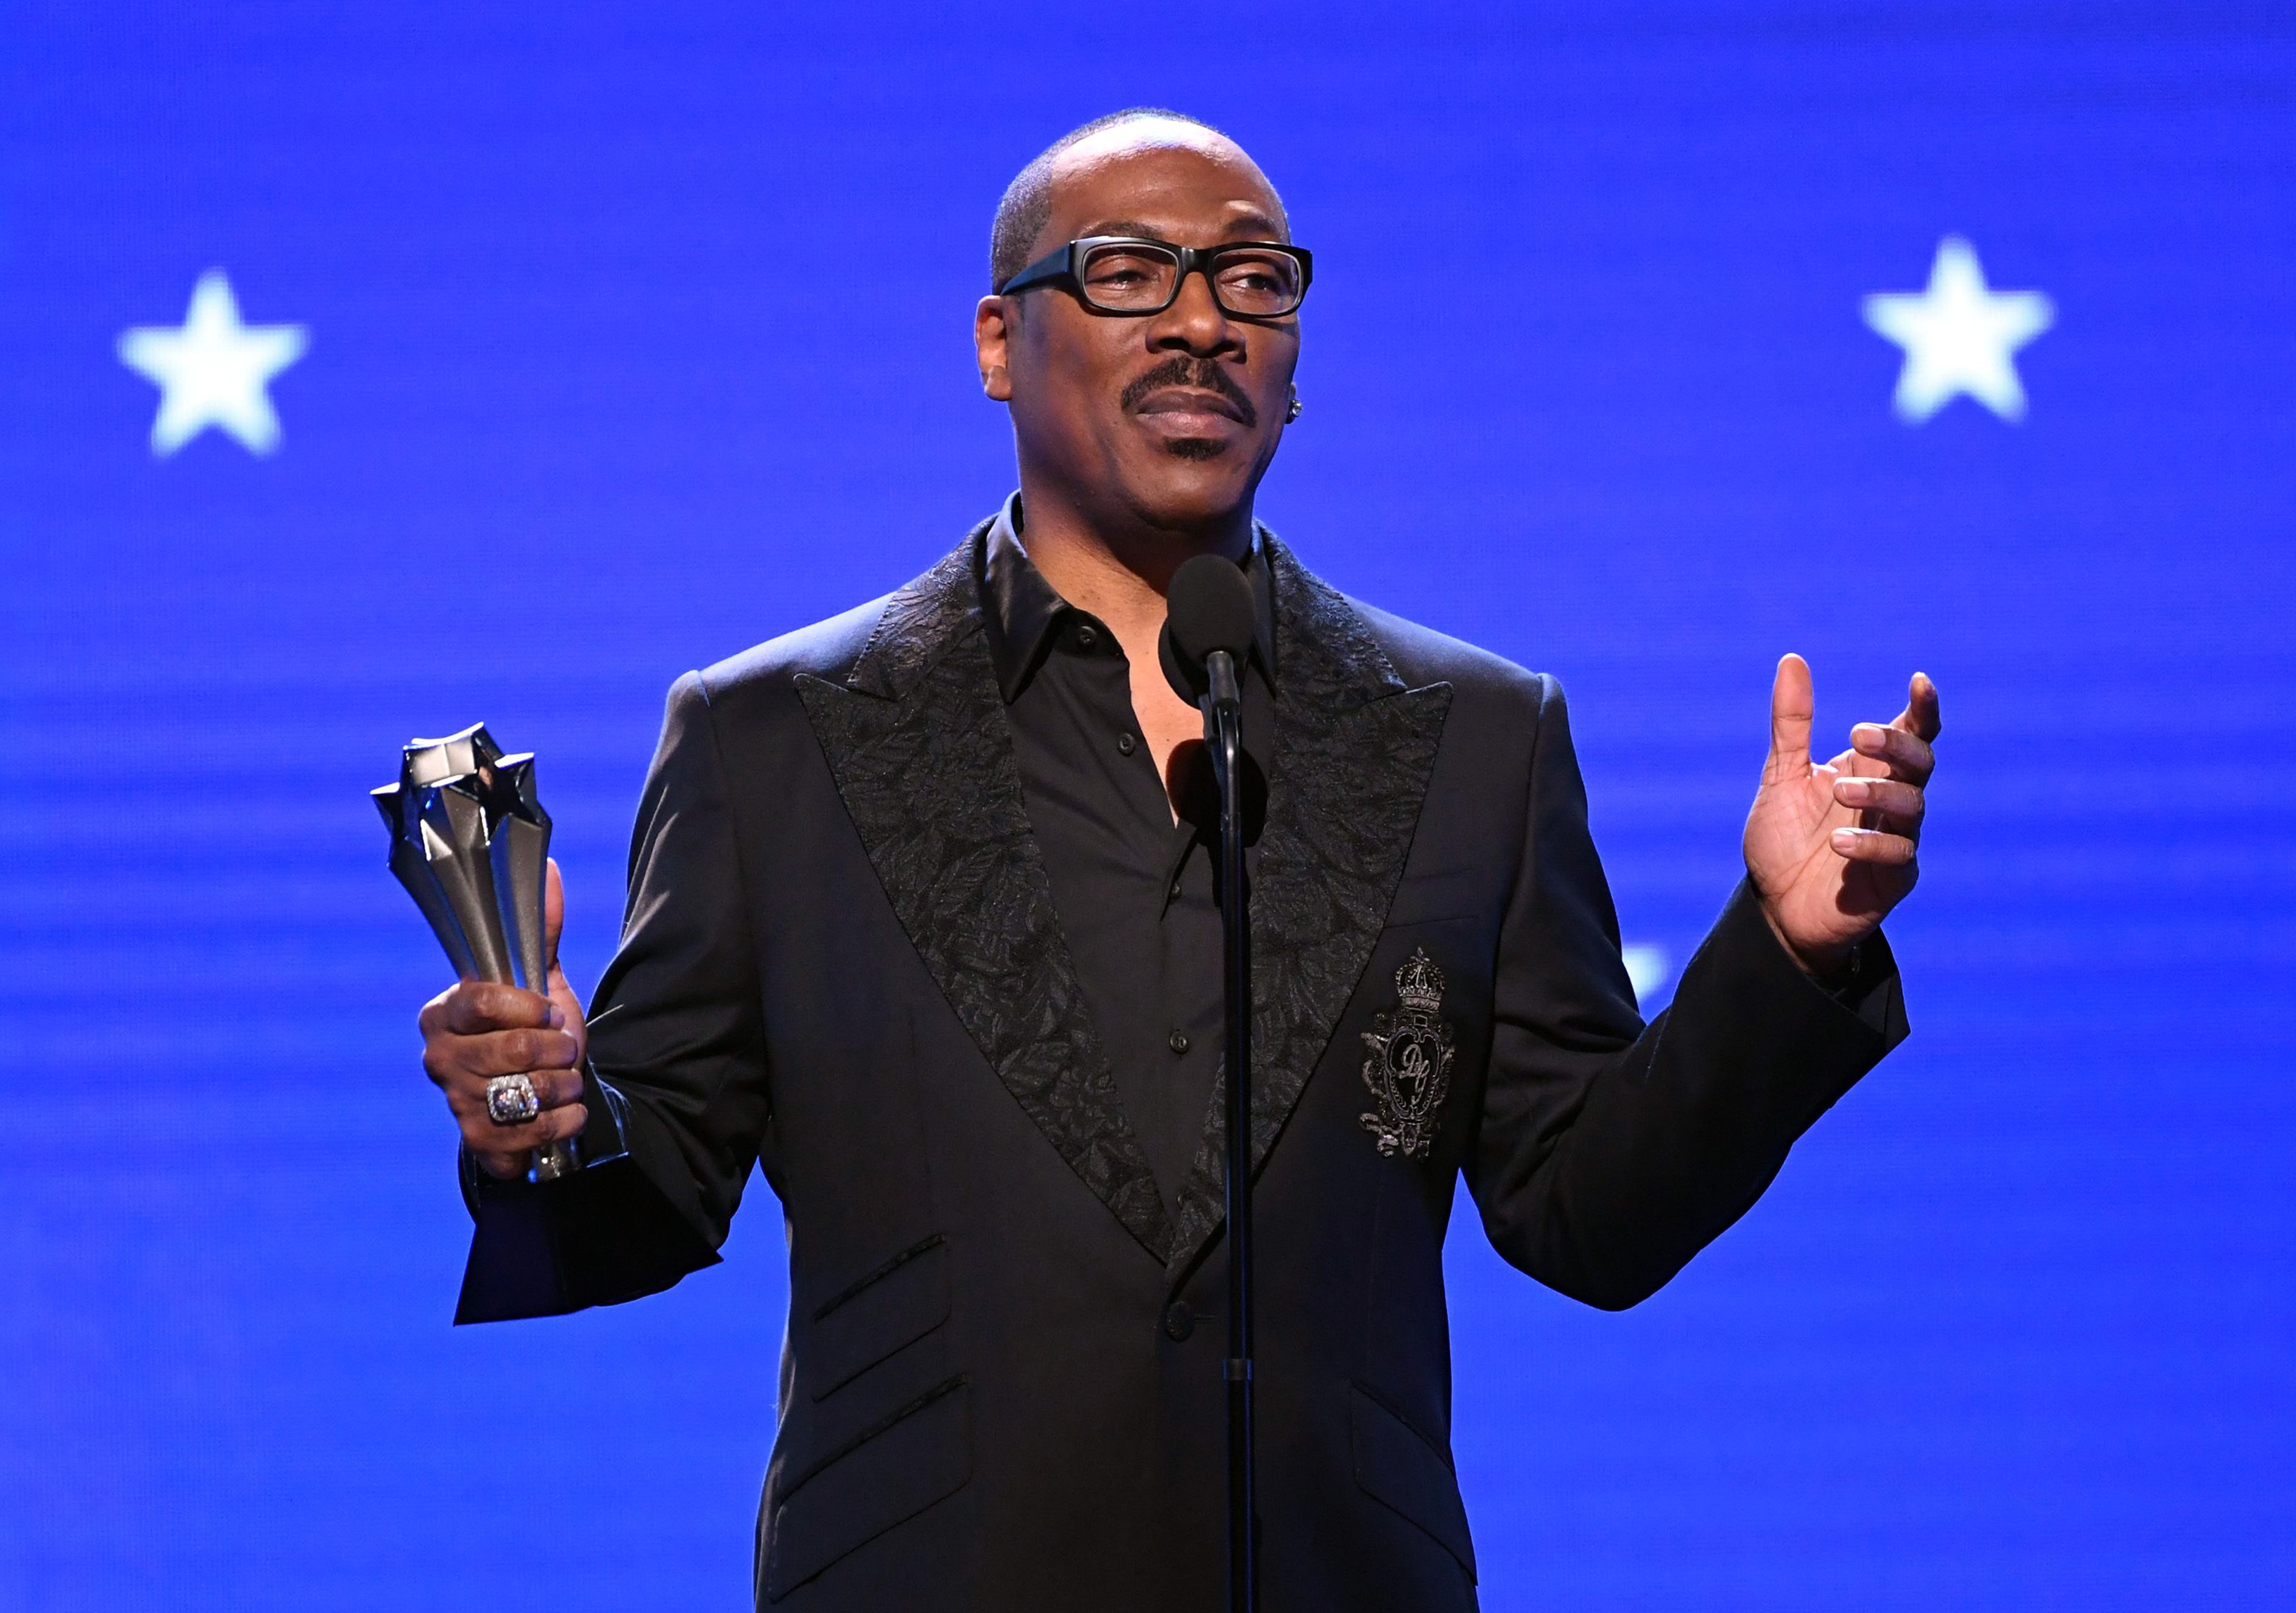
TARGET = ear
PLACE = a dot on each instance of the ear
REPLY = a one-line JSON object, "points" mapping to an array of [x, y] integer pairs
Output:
{"points": [[992, 335]]}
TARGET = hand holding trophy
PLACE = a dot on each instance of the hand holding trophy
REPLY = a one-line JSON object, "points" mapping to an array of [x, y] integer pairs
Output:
{"points": [[471, 842]]}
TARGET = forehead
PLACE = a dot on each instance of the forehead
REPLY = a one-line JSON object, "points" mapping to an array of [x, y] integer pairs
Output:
{"points": [[1173, 181]]}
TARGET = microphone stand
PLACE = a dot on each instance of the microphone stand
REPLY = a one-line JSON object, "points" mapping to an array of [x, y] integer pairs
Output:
{"points": [[1223, 709]]}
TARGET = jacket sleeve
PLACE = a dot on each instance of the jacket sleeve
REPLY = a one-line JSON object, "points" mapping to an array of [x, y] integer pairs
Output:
{"points": [[1608, 1152], [678, 1100]]}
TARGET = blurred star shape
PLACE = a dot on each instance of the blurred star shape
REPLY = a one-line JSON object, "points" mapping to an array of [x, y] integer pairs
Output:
{"points": [[213, 371], [1959, 336]]}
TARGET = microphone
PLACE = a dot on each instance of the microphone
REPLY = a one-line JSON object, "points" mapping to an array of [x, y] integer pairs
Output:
{"points": [[1208, 631], [1208, 614]]}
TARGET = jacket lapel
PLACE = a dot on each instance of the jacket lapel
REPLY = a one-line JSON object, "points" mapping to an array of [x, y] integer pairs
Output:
{"points": [[918, 741], [1354, 748]]}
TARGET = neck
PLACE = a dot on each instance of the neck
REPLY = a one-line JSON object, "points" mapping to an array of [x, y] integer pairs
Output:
{"points": [[1118, 566]]}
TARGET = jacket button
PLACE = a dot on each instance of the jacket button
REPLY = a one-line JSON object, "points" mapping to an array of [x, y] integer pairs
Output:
{"points": [[1179, 1321], [1178, 1041], [1124, 743]]}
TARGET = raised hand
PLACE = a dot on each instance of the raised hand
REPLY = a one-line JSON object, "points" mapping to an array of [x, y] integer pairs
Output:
{"points": [[477, 1030], [1830, 845]]}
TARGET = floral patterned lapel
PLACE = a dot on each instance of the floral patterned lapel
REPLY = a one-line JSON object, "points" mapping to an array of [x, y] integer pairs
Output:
{"points": [[1354, 750], [918, 741], [917, 738]]}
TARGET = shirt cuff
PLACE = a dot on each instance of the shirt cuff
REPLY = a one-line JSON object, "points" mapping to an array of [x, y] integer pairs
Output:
{"points": [[1868, 986]]}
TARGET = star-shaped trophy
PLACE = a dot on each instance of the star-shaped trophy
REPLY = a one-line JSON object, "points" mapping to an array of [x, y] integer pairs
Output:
{"points": [[471, 842]]}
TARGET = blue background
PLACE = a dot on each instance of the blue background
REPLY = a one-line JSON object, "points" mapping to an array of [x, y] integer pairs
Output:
{"points": [[640, 333]]}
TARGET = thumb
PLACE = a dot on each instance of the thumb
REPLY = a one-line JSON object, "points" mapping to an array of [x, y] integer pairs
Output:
{"points": [[1793, 703], [553, 917], [1920, 718]]}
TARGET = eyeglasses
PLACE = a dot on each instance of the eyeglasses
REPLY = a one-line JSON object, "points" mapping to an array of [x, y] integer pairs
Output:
{"points": [[1124, 275]]}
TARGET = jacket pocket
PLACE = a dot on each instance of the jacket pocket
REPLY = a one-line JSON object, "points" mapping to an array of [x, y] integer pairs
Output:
{"points": [[885, 1475], [885, 1310], [1399, 1466]]}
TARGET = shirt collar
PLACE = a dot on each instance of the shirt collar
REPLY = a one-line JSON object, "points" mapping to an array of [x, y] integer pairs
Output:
{"points": [[1023, 611]]}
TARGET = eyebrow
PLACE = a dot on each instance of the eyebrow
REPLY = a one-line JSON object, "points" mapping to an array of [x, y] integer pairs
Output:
{"points": [[1246, 226]]}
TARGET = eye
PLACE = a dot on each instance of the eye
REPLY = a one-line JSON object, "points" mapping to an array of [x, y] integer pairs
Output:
{"points": [[1262, 281], [1125, 278], [1120, 265]]}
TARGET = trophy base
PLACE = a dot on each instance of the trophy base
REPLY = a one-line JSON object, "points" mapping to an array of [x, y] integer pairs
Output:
{"points": [[558, 1160]]}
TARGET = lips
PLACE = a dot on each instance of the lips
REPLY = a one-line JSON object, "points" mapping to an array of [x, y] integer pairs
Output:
{"points": [[1187, 400], [1181, 386]]}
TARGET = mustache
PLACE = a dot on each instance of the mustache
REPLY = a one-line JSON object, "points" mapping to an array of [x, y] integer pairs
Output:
{"points": [[1205, 374]]}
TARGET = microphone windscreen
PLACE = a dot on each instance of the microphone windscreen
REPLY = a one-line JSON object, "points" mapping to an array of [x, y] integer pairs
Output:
{"points": [[1209, 607]]}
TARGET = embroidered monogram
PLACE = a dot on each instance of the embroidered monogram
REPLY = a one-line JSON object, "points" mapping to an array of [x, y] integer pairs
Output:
{"points": [[1409, 1068]]}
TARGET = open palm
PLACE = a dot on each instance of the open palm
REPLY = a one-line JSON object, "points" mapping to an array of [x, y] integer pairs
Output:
{"points": [[1831, 846]]}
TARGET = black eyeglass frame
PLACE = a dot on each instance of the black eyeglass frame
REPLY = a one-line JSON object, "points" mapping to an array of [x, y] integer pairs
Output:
{"points": [[1064, 265]]}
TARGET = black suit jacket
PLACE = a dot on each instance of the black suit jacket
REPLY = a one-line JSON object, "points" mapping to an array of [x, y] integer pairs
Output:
{"points": [[1000, 1386]]}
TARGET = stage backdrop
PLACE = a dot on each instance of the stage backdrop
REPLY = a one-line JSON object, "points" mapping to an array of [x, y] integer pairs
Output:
{"points": [[373, 369]]}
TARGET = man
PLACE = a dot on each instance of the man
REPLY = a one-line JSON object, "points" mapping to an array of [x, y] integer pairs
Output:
{"points": [[920, 917]]}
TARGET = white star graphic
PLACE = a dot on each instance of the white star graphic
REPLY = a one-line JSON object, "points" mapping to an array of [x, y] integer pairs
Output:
{"points": [[213, 371], [1958, 336]]}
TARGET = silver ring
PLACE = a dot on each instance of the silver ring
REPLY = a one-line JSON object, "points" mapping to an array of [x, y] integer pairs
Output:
{"points": [[512, 1100]]}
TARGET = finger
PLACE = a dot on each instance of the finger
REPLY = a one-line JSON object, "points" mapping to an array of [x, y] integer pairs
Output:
{"points": [[1894, 800], [506, 1053], [1873, 846], [1906, 754], [552, 1126], [472, 1007], [466, 1095], [498, 1052], [1920, 718], [553, 915], [503, 1167], [1793, 703]]}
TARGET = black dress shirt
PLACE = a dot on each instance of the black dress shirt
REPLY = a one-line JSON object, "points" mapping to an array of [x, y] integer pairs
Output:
{"points": [[1135, 889]]}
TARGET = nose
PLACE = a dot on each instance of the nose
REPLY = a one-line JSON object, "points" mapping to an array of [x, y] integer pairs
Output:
{"points": [[1194, 322]]}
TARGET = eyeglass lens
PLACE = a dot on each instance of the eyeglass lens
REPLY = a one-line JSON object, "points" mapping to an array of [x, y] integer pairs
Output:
{"points": [[1131, 277]]}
